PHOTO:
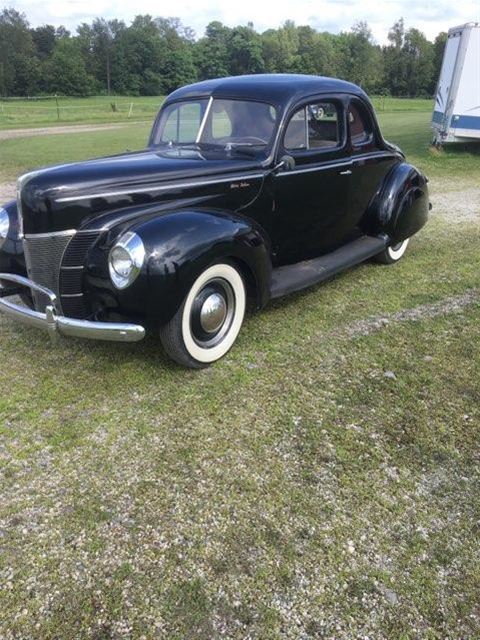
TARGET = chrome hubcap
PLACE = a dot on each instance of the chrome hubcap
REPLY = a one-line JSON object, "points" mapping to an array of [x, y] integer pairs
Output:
{"points": [[213, 313]]}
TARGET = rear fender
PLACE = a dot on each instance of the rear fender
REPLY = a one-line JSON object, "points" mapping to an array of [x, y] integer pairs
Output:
{"points": [[400, 208]]}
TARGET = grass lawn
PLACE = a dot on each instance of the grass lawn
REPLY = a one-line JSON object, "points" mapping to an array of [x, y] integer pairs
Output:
{"points": [[322, 481], [410, 130], [97, 109]]}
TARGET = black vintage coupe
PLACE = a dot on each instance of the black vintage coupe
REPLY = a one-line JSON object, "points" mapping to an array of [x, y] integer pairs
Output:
{"points": [[251, 187]]}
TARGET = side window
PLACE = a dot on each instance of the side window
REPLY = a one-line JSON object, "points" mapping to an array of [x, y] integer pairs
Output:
{"points": [[322, 125], [296, 132], [360, 125], [313, 127]]}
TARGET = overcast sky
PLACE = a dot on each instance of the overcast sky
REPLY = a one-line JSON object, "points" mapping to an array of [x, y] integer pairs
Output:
{"points": [[325, 15]]}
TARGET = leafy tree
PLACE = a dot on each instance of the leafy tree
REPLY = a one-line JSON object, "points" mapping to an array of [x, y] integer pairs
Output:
{"points": [[65, 73], [418, 53], [360, 59], [44, 40], [155, 55], [211, 52], [438, 51], [177, 67], [245, 51], [280, 49], [138, 59], [18, 64], [409, 62], [395, 63]]}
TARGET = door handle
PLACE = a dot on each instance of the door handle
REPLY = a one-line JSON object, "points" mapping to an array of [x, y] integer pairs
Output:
{"points": [[347, 172]]}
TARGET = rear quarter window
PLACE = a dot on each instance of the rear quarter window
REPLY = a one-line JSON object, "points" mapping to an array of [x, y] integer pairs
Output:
{"points": [[360, 124]]}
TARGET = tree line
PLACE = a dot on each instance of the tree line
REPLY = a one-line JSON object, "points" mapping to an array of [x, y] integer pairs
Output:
{"points": [[153, 56]]}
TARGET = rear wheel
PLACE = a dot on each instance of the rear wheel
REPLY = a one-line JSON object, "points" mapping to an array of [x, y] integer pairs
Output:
{"points": [[209, 319], [393, 253]]}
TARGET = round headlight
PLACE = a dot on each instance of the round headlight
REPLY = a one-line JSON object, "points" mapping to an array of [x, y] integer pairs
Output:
{"points": [[4, 225], [126, 259], [121, 262]]}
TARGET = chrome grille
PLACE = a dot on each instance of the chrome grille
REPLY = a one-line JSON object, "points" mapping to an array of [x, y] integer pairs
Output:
{"points": [[71, 274], [57, 261], [43, 256]]}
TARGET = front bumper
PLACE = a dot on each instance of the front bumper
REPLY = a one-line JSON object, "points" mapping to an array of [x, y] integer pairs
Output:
{"points": [[55, 323]]}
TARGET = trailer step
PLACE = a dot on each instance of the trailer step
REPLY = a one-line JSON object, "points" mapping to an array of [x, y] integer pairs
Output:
{"points": [[305, 274]]}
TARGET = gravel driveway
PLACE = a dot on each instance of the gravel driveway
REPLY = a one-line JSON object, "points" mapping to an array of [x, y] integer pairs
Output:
{"points": [[7, 191], [77, 128]]}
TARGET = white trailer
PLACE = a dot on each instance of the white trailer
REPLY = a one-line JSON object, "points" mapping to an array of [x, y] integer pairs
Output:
{"points": [[456, 115]]}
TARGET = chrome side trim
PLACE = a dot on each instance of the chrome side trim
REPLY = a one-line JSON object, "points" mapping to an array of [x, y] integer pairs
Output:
{"points": [[54, 323], [164, 187], [67, 232], [333, 164], [52, 234]]}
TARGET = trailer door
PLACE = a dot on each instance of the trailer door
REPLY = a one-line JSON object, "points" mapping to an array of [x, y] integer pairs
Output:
{"points": [[445, 82], [465, 121]]}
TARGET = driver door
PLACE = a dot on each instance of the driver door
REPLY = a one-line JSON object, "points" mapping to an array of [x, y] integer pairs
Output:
{"points": [[310, 209]]}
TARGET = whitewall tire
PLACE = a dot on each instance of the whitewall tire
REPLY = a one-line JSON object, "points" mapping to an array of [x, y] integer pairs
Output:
{"points": [[393, 253], [209, 319]]}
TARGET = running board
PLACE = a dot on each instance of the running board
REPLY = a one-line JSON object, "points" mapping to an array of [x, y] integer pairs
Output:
{"points": [[301, 275]]}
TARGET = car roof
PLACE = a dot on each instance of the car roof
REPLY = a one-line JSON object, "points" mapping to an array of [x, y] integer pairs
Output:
{"points": [[275, 88]]}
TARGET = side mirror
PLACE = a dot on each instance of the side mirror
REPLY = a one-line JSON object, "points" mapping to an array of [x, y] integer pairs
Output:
{"points": [[287, 163]]}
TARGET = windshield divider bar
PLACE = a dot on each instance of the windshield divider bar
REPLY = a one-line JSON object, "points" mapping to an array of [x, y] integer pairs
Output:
{"points": [[205, 116], [307, 141]]}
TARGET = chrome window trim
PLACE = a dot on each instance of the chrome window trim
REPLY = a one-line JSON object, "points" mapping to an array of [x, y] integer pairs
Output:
{"points": [[307, 136]]}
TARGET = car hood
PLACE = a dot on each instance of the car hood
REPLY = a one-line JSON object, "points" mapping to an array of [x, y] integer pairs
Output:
{"points": [[117, 181]]}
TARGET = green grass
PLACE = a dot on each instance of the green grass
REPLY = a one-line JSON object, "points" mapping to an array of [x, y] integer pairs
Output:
{"points": [[97, 109], [22, 154], [410, 130], [290, 491], [389, 104]]}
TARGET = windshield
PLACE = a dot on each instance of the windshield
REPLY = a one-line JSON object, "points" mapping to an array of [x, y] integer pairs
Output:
{"points": [[224, 124]]}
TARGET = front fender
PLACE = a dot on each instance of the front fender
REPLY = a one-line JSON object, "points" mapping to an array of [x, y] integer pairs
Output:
{"points": [[179, 245], [12, 259], [400, 207]]}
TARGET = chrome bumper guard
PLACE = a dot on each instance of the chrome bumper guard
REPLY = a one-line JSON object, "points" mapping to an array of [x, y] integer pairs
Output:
{"points": [[56, 324]]}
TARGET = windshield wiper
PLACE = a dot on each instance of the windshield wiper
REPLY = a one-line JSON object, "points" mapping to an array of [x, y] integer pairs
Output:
{"points": [[236, 145]]}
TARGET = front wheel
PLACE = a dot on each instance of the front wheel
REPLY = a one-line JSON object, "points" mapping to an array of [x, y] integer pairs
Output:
{"points": [[209, 319], [393, 253]]}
